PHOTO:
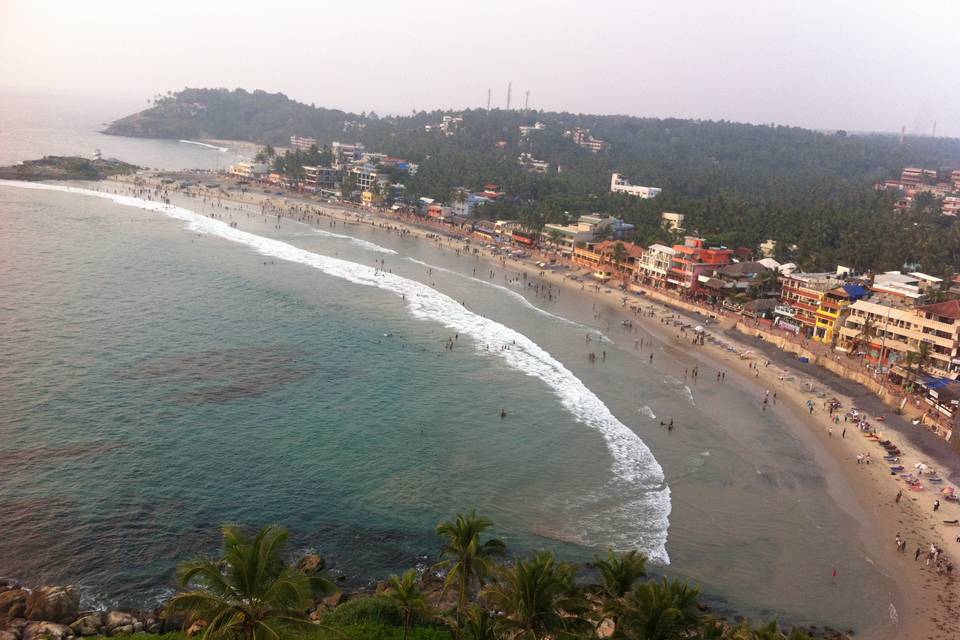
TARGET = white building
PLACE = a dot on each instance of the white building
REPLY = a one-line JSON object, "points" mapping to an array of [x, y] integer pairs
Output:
{"points": [[619, 184], [531, 164], [527, 130], [249, 170], [909, 286], [302, 143], [653, 266], [672, 221]]}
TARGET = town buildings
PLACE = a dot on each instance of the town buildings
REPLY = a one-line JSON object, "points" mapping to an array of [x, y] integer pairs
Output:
{"points": [[302, 143], [249, 170], [527, 130], [619, 184], [653, 266], [672, 221], [801, 295], [532, 165], [317, 179], [690, 260]]}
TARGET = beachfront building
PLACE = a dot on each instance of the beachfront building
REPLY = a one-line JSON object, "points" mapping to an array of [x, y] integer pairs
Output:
{"points": [[467, 202], [800, 297], [302, 143], [609, 258], [833, 309], [690, 260], [619, 184], [249, 170], [887, 334], [345, 154], [653, 266], [317, 179]]}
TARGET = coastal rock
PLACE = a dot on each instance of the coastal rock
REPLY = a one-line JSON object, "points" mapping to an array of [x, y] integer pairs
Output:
{"points": [[46, 631], [13, 604], [88, 625], [334, 600], [117, 619], [196, 628], [9, 635], [311, 563], [54, 604], [172, 621], [124, 629]]}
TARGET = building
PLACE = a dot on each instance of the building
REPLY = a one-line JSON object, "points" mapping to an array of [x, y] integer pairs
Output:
{"points": [[469, 203], [800, 297], [951, 206], [302, 143], [886, 334], [249, 170], [672, 221], [619, 184], [450, 124], [439, 212], [317, 179], [690, 260], [582, 138], [532, 165], [344, 154], [905, 289], [653, 266], [527, 130], [833, 309], [767, 248], [603, 258], [367, 177]]}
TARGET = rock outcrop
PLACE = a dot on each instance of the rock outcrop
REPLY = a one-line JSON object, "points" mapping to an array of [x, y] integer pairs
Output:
{"points": [[13, 603], [53, 604]]}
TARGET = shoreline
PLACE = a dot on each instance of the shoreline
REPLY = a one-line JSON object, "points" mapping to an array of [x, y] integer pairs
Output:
{"points": [[916, 613]]}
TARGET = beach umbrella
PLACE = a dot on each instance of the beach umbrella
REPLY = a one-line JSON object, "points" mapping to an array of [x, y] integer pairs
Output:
{"points": [[698, 329], [920, 466]]}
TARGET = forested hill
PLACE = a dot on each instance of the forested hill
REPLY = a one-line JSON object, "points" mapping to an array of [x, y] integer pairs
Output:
{"points": [[737, 183]]}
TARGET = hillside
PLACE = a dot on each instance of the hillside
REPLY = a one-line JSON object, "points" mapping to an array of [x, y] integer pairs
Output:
{"points": [[739, 184], [65, 168]]}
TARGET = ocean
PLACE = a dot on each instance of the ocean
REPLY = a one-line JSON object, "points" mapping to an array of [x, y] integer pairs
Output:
{"points": [[164, 373]]}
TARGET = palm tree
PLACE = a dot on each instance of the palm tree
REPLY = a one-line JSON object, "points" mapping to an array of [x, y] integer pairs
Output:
{"points": [[469, 559], [251, 593], [538, 598], [867, 330], [478, 624], [917, 360], [619, 255], [618, 574], [656, 611], [410, 601], [555, 236]]}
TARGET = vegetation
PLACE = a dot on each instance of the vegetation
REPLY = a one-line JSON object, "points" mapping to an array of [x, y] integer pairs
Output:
{"points": [[252, 594], [66, 168]]}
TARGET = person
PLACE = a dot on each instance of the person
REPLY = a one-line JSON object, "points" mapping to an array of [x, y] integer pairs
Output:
{"points": [[670, 426], [916, 556], [899, 495], [936, 505], [898, 541], [503, 413]]}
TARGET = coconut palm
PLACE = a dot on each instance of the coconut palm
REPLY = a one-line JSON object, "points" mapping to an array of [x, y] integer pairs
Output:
{"points": [[478, 624], [251, 593], [468, 558], [618, 573], [656, 611], [408, 597], [619, 255], [537, 598]]}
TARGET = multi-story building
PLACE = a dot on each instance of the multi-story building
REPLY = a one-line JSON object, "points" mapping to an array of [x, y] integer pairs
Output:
{"points": [[450, 124], [887, 334], [833, 309], [606, 259], [690, 260], [344, 154], [527, 130], [318, 178], [249, 170], [801, 295], [619, 184], [582, 138], [531, 164], [653, 266], [904, 289], [951, 206], [367, 177], [302, 143]]}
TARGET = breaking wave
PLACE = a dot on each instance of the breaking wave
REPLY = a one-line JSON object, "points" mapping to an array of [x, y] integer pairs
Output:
{"points": [[203, 144], [366, 244], [631, 510]]}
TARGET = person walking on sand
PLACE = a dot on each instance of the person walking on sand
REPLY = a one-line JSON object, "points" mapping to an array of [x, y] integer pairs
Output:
{"points": [[899, 495], [936, 505], [916, 556]]}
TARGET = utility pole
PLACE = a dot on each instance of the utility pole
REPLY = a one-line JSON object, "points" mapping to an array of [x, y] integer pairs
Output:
{"points": [[526, 103], [509, 89]]}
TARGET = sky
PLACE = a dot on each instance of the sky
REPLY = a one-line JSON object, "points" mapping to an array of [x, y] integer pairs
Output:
{"points": [[859, 65]]}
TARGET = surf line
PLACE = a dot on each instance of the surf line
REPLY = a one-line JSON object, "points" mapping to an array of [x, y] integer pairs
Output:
{"points": [[637, 476]]}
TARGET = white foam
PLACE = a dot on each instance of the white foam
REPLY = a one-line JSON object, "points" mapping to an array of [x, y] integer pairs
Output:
{"points": [[203, 144], [647, 411], [633, 508], [366, 244], [515, 295]]}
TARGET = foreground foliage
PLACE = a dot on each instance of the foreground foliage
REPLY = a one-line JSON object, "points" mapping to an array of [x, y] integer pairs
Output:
{"points": [[252, 594]]}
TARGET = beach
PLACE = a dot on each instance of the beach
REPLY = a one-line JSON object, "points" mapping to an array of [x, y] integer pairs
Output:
{"points": [[861, 495], [927, 602]]}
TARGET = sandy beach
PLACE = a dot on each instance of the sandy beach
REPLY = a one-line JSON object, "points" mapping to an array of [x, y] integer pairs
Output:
{"points": [[928, 602]]}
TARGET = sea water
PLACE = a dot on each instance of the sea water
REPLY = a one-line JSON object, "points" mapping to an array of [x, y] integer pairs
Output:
{"points": [[164, 373]]}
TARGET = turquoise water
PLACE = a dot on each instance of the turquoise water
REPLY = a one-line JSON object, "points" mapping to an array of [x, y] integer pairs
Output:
{"points": [[158, 379]]}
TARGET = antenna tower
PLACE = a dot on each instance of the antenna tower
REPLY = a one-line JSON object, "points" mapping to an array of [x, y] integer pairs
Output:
{"points": [[509, 89]]}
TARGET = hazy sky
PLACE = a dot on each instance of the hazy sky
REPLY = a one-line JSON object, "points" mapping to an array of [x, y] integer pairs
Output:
{"points": [[850, 64]]}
